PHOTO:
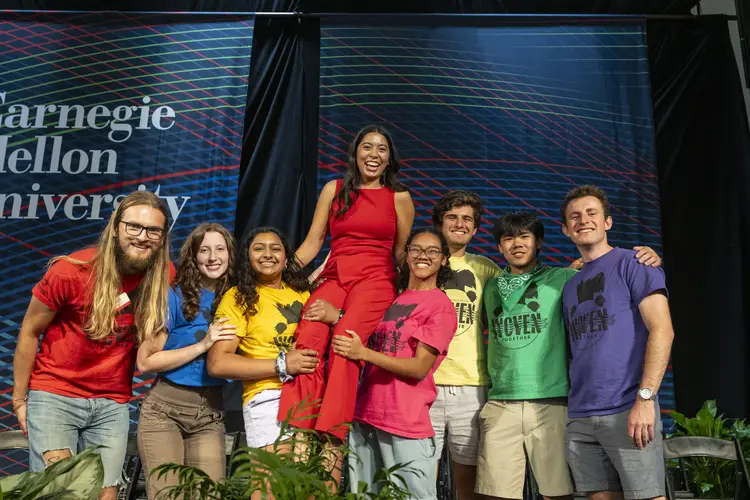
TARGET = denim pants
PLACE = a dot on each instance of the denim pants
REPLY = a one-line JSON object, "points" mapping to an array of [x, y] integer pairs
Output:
{"points": [[64, 423], [181, 425], [374, 449]]}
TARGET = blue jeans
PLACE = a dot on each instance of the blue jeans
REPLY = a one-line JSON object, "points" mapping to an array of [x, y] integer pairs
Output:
{"points": [[63, 423], [374, 449]]}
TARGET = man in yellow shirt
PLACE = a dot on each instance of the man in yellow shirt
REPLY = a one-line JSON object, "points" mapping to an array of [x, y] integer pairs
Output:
{"points": [[462, 379]]}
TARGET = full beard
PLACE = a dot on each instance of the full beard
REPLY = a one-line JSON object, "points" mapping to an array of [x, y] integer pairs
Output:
{"points": [[133, 265]]}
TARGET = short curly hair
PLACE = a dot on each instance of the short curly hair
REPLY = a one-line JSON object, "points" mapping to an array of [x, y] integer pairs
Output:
{"points": [[582, 192], [453, 199]]}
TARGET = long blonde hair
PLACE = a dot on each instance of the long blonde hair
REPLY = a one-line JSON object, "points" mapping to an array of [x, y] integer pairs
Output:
{"points": [[151, 301]]}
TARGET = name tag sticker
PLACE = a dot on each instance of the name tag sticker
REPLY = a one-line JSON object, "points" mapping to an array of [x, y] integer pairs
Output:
{"points": [[122, 301]]}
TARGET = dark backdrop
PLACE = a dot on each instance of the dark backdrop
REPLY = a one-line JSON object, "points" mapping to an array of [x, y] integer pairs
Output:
{"points": [[703, 157], [702, 142], [703, 160]]}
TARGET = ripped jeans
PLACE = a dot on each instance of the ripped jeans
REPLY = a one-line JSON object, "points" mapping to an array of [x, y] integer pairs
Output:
{"points": [[63, 423]]}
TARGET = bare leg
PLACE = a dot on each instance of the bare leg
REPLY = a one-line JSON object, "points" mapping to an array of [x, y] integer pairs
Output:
{"points": [[334, 461], [465, 479], [109, 493], [53, 456], [300, 447], [606, 495], [283, 449]]}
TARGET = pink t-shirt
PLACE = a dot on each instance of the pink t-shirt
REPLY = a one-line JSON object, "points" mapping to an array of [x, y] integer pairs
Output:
{"points": [[397, 405]]}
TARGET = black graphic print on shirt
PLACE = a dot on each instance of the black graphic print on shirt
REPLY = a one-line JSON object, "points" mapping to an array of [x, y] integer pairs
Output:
{"points": [[465, 282], [518, 330], [387, 338], [291, 314], [593, 322]]}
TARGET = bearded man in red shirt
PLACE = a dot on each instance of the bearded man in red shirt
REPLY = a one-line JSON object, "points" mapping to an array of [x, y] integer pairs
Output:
{"points": [[92, 308]]}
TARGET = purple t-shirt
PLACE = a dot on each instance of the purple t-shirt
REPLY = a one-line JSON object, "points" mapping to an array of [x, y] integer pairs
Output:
{"points": [[607, 334]]}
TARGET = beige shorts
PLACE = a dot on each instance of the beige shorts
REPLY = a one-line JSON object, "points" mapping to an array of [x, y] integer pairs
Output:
{"points": [[513, 430], [455, 417]]}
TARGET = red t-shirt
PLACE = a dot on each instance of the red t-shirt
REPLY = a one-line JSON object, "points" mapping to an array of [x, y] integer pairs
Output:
{"points": [[69, 363]]}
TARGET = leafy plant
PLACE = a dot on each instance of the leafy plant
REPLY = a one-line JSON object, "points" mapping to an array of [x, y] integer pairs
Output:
{"points": [[79, 477], [711, 477], [296, 468]]}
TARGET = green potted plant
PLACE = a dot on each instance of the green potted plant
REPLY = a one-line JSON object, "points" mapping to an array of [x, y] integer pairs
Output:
{"points": [[79, 477], [711, 477], [283, 472]]}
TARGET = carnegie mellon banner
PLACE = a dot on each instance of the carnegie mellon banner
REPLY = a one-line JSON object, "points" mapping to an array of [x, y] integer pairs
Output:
{"points": [[94, 106]]}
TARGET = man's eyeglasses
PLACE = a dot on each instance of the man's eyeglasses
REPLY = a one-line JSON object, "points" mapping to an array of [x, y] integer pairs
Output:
{"points": [[152, 233], [432, 253]]}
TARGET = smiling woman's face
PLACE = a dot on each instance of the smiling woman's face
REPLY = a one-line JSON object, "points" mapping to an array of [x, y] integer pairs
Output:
{"points": [[267, 256]]}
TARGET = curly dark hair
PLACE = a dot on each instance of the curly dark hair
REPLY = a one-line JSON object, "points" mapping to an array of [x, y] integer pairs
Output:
{"points": [[348, 192], [248, 280], [188, 277], [453, 199], [444, 274]]}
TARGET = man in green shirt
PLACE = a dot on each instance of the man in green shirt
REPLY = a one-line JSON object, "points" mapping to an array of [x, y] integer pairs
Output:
{"points": [[527, 413]]}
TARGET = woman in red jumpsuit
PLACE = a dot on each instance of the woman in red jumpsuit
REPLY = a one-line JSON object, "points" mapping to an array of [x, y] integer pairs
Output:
{"points": [[369, 216]]}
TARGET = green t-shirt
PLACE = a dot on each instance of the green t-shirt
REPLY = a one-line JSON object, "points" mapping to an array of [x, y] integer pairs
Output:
{"points": [[527, 352]]}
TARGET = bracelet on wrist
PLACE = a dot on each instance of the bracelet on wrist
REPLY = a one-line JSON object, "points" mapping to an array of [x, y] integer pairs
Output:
{"points": [[341, 315]]}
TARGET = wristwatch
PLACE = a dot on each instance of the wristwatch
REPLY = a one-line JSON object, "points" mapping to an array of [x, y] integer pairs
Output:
{"points": [[646, 394], [281, 367], [341, 315]]}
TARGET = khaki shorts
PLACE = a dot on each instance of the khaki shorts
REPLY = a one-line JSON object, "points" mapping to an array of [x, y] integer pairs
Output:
{"points": [[513, 430]]}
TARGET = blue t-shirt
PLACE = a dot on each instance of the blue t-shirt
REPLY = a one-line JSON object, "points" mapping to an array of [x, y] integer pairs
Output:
{"points": [[607, 335], [183, 333]]}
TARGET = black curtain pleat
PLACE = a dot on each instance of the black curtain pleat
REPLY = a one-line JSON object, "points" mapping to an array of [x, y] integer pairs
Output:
{"points": [[278, 170], [703, 160]]}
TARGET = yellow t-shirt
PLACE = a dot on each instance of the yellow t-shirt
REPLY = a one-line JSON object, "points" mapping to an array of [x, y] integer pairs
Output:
{"points": [[466, 363], [268, 331]]}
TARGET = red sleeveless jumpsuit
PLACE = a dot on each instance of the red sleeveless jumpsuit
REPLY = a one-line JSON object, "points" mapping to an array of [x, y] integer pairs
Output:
{"points": [[359, 277]]}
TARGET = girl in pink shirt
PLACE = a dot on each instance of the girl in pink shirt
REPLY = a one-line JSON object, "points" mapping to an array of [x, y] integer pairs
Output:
{"points": [[392, 417]]}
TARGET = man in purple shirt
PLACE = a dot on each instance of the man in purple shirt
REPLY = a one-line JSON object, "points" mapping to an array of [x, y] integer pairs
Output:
{"points": [[620, 331]]}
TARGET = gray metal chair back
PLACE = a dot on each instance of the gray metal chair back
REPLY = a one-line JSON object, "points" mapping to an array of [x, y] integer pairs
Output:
{"points": [[682, 447]]}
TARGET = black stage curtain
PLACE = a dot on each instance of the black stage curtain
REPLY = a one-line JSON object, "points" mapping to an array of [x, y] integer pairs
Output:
{"points": [[703, 159], [278, 169], [278, 172], [505, 6]]}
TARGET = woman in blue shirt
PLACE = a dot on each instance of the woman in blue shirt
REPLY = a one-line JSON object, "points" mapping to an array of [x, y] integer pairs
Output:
{"points": [[182, 416]]}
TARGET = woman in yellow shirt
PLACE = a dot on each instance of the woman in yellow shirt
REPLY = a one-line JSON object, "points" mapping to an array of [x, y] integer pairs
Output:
{"points": [[265, 308]]}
